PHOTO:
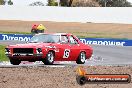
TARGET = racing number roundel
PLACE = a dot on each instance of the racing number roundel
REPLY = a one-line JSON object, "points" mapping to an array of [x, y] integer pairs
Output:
{"points": [[66, 53]]}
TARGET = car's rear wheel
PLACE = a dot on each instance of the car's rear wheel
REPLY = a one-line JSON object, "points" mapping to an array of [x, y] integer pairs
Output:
{"points": [[15, 62], [81, 59], [49, 60]]}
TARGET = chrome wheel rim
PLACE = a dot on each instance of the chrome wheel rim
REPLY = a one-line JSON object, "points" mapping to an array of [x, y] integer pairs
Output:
{"points": [[50, 57], [83, 57]]}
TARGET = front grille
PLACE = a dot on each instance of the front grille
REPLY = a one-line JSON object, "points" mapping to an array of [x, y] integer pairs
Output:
{"points": [[23, 50]]}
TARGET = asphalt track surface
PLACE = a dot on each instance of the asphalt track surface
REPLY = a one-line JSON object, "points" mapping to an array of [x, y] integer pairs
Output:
{"points": [[111, 55], [102, 55]]}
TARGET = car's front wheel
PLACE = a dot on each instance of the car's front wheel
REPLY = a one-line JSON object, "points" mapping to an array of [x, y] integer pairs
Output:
{"points": [[49, 60], [15, 62], [81, 59]]}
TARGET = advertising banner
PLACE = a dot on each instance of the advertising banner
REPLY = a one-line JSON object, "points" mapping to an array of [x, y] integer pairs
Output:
{"points": [[94, 41], [106, 41], [19, 37]]}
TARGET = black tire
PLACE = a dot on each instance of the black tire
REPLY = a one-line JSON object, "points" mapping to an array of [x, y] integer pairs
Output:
{"points": [[49, 60], [15, 62], [81, 80], [81, 59]]}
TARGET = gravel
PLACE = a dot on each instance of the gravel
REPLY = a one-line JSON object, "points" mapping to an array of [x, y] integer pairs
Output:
{"points": [[57, 77]]}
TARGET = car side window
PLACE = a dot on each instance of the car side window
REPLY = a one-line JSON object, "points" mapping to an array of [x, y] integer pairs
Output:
{"points": [[73, 40], [64, 39]]}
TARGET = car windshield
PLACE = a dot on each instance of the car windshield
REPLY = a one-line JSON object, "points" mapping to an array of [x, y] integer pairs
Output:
{"points": [[45, 38]]}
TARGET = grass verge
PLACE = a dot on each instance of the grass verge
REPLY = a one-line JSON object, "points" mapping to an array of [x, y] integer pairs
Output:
{"points": [[82, 34], [2, 53], [14, 32]]}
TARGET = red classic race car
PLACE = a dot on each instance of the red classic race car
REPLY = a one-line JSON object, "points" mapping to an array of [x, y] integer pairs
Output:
{"points": [[49, 47]]}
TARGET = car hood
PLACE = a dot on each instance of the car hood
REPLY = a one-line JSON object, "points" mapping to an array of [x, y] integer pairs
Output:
{"points": [[31, 45]]}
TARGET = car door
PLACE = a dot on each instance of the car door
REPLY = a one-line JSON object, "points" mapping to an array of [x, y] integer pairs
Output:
{"points": [[65, 50], [74, 47]]}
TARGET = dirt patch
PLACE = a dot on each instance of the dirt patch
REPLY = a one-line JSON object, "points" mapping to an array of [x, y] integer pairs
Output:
{"points": [[79, 29], [56, 77]]}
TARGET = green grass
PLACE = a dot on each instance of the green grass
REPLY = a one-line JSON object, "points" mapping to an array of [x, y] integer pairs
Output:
{"points": [[2, 53], [98, 35], [81, 34], [14, 32]]}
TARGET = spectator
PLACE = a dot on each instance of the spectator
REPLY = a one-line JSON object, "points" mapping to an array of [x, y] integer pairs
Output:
{"points": [[37, 28], [41, 28], [34, 29]]}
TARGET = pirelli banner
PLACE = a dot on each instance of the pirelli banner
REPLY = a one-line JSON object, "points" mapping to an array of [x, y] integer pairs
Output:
{"points": [[94, 41]]}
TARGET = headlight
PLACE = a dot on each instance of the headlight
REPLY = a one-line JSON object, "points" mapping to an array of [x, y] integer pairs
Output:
{"points": [[7, 50]]}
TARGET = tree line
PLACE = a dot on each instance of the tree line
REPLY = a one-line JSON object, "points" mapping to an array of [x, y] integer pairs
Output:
{"points": [[91, 3], [3, 2], [82, 3], [114, 3]]}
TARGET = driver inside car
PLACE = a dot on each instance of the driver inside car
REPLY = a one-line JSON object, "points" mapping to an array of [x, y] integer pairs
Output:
{"points": [[64, 39]]}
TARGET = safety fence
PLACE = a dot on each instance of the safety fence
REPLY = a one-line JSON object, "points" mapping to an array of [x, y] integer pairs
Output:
{"points": [[94, 41]]}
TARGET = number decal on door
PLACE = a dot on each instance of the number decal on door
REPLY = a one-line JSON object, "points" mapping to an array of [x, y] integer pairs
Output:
{"points": [[66, 53]]}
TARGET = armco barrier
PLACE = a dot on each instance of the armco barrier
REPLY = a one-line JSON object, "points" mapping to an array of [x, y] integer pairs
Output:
{"points": [[95, 41]]}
